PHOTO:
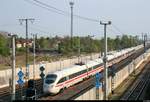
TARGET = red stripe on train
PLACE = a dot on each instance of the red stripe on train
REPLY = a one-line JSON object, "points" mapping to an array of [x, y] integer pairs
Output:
{"points": [[82, 75]]}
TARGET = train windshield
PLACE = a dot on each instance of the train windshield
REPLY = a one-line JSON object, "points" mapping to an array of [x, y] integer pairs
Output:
{"points": [[50, 78]]}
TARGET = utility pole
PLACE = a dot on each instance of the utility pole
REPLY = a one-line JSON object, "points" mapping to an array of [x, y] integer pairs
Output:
{"points": [[21, 21], [71, 4], [105, 61], [34, 35], [13, 68]]}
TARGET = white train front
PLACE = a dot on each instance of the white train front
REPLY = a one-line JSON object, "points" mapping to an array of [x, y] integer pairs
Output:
{"points": [[59, 80]]}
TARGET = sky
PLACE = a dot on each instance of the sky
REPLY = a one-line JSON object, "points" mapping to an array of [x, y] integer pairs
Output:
{"points": [[130, 17]]}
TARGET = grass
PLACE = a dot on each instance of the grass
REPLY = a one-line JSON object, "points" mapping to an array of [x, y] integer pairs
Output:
{"points": [[3, 67]]}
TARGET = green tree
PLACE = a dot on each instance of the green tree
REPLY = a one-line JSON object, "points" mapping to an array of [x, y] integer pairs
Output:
{"points": [[4, 48], [43, 42], [125, 41], [117, 45]]}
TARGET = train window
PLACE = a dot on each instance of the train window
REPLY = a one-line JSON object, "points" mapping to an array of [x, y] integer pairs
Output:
{"points": [[94, 67], [97, 66], [62, 80], [73, 75], [70, 76], [78, 73], [51, 76], [84, 71], [49, 81], [90, 69]]}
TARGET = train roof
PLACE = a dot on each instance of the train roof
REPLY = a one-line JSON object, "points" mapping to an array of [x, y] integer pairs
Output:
{"points": [[69, 70], [76, 68]]}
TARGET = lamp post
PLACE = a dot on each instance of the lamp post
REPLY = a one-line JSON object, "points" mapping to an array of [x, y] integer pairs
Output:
{"points": [[34, 54], [71, 31], [13, 68], [105, 61]]}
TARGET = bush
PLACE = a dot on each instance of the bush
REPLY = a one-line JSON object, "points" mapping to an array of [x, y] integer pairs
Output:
{"points": [[4, 51], [22, 49]]}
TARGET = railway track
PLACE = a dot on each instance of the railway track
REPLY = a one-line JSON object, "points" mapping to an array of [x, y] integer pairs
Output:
{"points": [[72, 92], [139, 86], [119, 65], [5, 92], [89, 84]]}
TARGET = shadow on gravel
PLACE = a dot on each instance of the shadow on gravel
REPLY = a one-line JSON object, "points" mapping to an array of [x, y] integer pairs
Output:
{"points": [[147, 95]]}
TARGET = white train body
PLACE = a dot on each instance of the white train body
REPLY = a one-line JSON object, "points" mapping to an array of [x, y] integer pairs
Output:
{"points": [[67, 77]]}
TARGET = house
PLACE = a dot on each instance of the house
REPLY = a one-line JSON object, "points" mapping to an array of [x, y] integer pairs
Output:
{"points": [[22, 43]]}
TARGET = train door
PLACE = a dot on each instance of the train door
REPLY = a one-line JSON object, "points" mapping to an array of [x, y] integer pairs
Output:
{"points": [[67, 84], [62, 82], [87, 71]]}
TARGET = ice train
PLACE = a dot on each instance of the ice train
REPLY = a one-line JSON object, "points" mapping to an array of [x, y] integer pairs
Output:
{"points": [[54, 82]]}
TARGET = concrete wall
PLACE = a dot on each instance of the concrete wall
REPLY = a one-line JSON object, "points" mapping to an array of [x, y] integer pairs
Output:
{"points": [[119, 77], [90, 95], [5, 75]]}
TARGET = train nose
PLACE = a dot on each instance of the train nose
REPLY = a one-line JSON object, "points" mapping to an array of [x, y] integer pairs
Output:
{"points": [[46, 88]]}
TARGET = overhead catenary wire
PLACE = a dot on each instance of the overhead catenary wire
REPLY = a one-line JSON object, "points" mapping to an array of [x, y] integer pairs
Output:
{"points": [[6, 25], [67, 13], [64, 13], [115, 27], [44, 7], [40, 30], [113, 31], [33, 27], [58, 11], [49, 6]]}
